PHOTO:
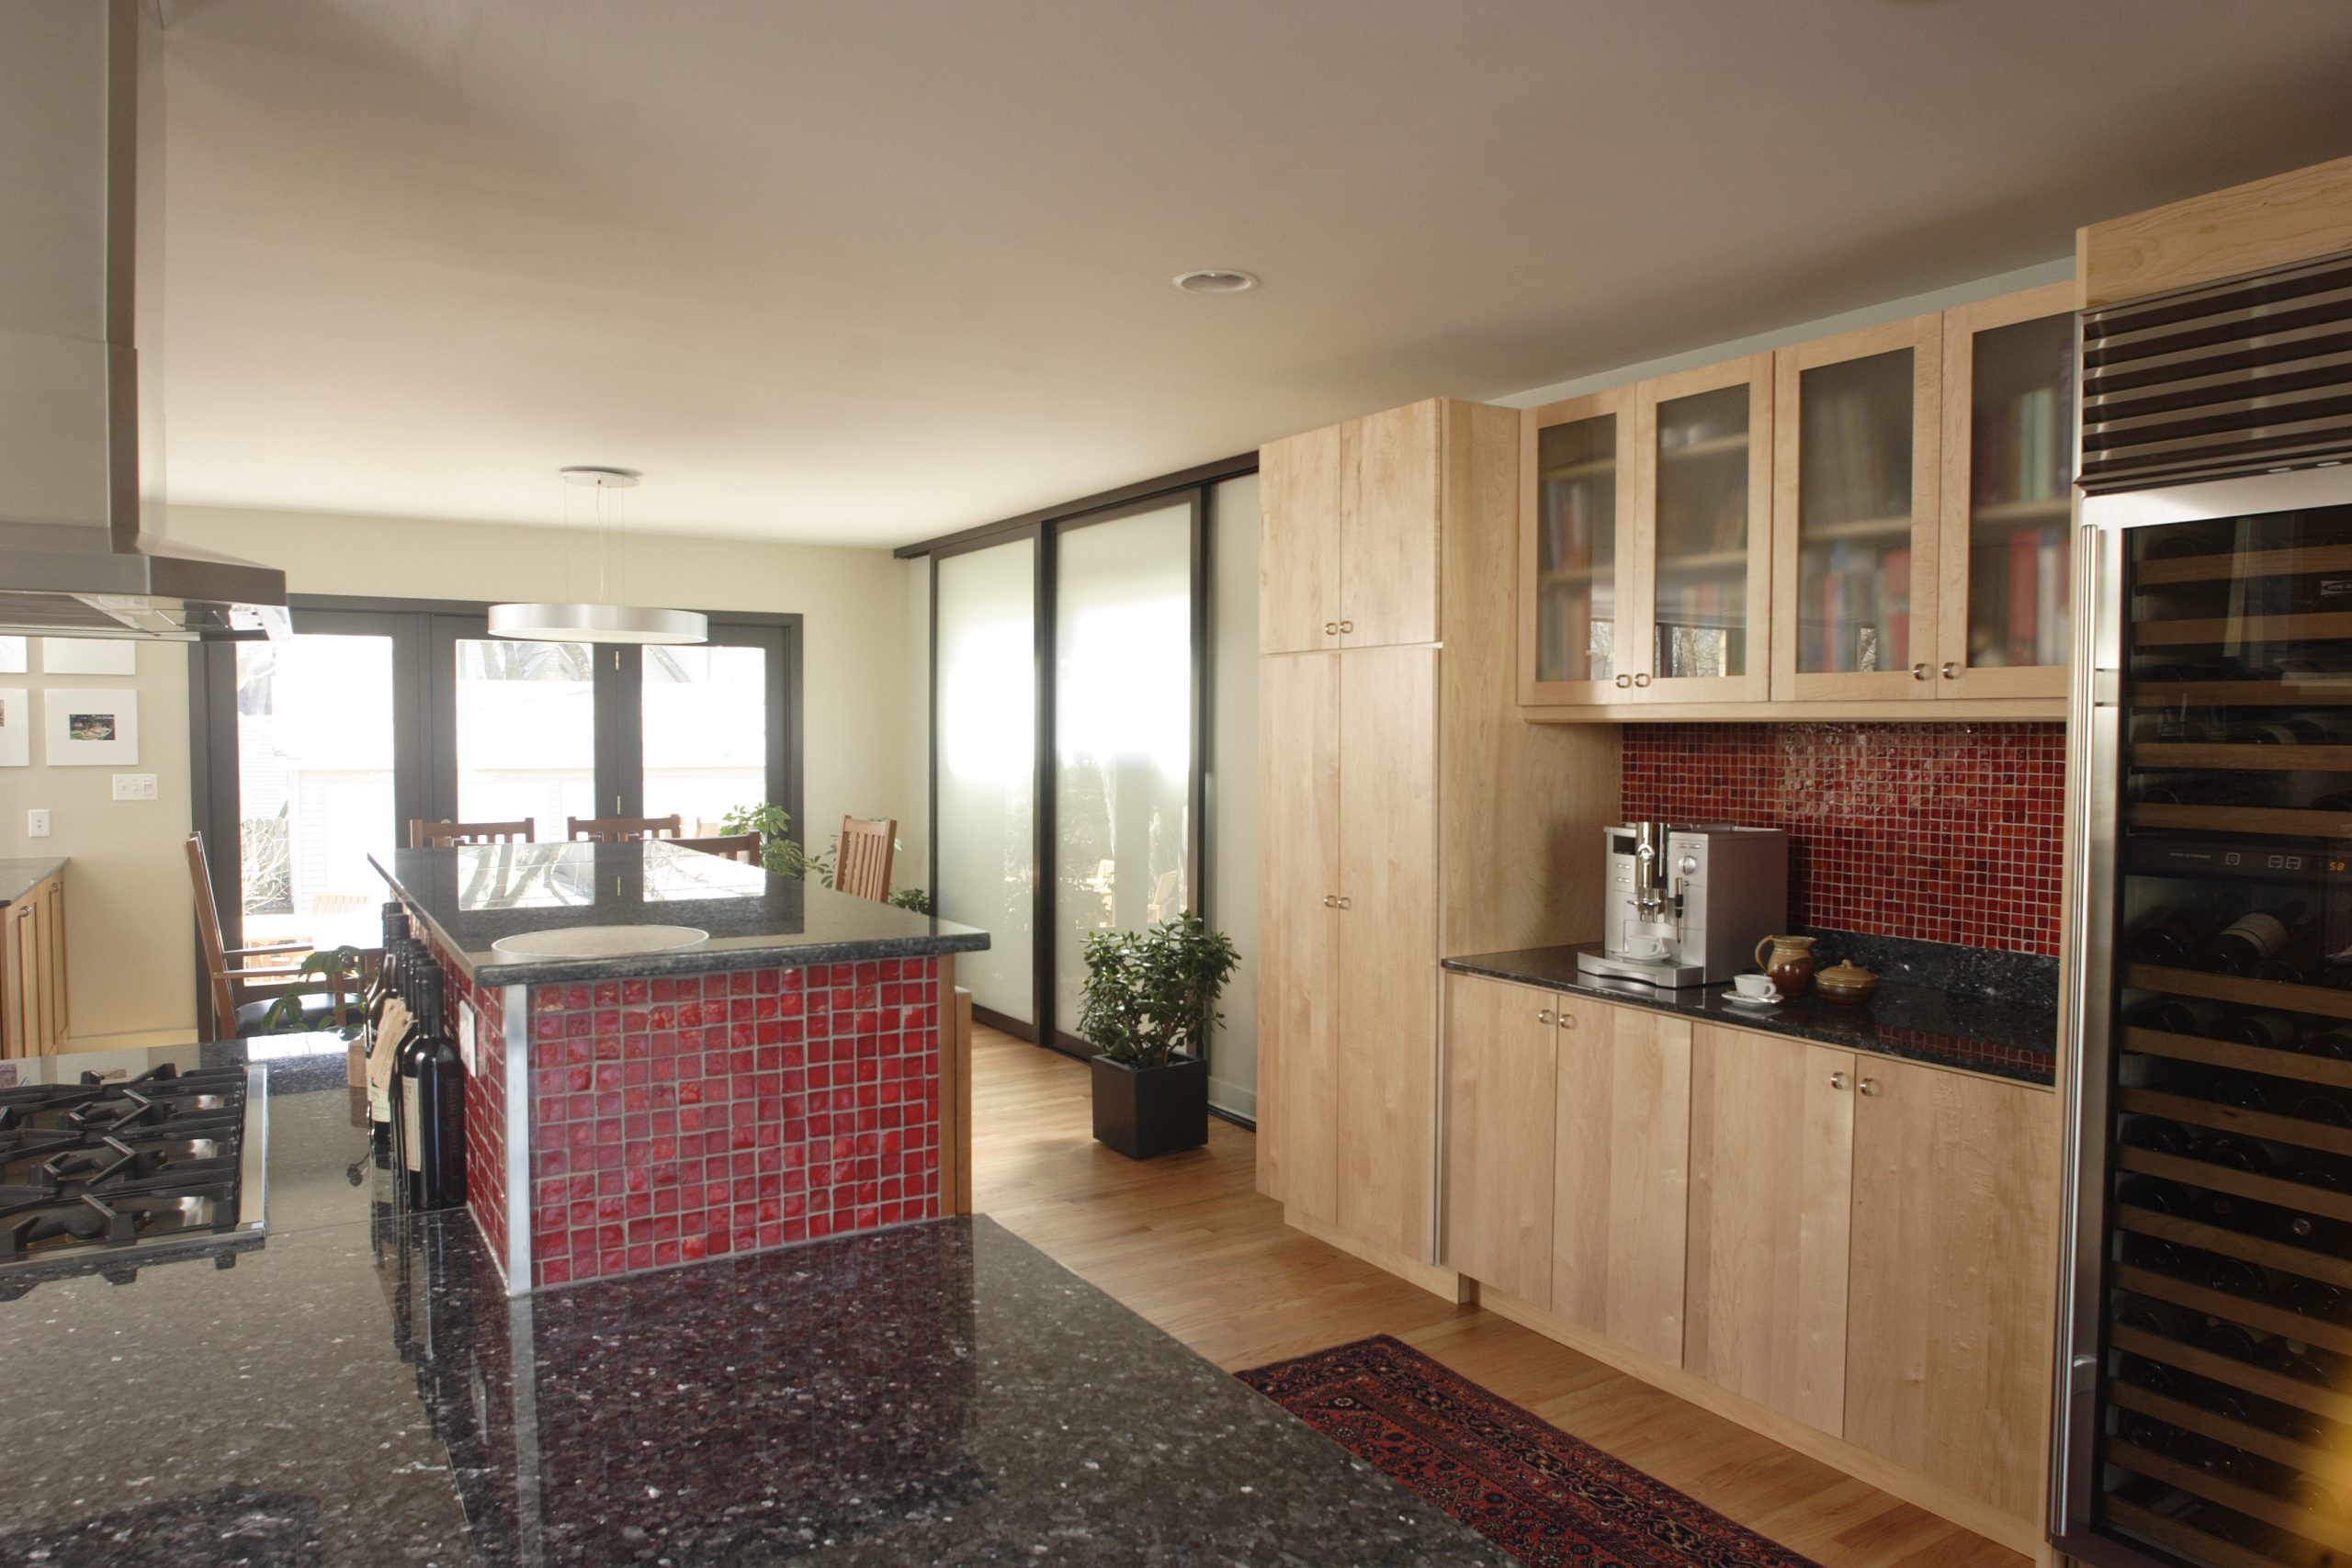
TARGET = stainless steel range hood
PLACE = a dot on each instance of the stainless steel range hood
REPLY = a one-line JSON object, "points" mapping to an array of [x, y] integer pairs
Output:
{"points": [[82, 551]]}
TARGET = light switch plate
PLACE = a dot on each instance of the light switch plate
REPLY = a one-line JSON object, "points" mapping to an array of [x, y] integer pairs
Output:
{"points": [[37, 822], [467, 1025], [134, 786]]}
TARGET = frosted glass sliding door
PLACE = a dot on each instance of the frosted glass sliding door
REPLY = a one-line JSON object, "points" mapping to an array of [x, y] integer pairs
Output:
{"points": [[1122, 734], [986, 767]]}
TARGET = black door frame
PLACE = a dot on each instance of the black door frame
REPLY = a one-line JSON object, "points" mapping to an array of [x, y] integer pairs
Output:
{"points": [[425, 634]]}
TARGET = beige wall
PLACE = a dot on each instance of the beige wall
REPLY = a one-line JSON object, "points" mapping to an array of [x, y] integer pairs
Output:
{"points": [[128, 910], [128, 953]]}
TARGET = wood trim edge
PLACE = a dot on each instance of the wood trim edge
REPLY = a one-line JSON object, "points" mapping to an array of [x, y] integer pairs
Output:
{"points": [[1447, 1284]]}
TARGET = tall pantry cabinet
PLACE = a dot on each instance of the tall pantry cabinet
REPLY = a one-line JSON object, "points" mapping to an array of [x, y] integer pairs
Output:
{"points": [[1405, 810]]}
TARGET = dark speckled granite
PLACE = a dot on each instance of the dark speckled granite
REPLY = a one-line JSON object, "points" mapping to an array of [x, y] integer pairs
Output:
{"points": [[359, 1390], [474, 896], [1950, 1029], [2029, 978]]}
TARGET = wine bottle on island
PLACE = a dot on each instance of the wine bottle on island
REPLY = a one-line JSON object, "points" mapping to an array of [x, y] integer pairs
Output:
{"points": [[389, 1024], [432, 1104]]}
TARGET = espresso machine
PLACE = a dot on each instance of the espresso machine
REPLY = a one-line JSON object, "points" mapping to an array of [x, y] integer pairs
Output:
{"points": [[1686, 905]]}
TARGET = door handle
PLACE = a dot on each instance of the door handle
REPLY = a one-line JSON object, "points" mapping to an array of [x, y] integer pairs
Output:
{"points": [[1545, 1016], [1624, 680], [1347, 625], [1331, 900], [1642, 679], [1869, 1086], [1343, 904], [1919, 671], [1836, 1080], [1951, 669], [1330, 628]]}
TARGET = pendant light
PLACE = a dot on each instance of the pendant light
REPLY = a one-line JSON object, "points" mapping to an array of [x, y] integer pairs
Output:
{"points": [[610, 621]]}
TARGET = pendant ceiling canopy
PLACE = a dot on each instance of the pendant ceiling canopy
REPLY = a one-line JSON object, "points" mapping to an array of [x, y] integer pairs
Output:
{"points": [[585, 621]]}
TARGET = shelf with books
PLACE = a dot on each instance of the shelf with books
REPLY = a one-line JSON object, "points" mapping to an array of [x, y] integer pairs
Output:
{"points": [[1706, 563], [1860, 530]]}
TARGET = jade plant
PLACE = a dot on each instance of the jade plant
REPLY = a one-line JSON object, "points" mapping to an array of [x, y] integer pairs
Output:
{"points": [[785, 857], [1152, 994], [337, 973]]}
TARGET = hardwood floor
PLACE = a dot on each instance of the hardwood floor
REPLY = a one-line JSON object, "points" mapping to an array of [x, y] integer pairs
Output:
{"points": [[1187, 1242]]}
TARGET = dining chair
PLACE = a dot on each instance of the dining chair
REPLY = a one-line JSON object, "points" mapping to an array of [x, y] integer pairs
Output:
{"points": [[423, 835], [726, 846], [862, 859], [620, 830], [242, 996]]}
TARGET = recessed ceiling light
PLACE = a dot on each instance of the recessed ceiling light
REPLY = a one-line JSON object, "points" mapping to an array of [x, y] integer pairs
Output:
{"points": [[1217, 280]]}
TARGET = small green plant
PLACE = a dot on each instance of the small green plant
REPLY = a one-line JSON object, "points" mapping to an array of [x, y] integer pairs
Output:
{"points": [[334, 972], [1151, 994], [913, 898], [778, 851]]}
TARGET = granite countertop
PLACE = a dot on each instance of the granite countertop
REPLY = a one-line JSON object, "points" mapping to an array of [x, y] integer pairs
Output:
{"points": [[1918, 1022], [474, 895], [357, 1390], [17, 877]]}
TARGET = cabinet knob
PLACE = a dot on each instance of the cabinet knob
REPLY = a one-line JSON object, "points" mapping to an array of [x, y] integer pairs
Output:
{"points": [[1951, 669], [1331, 900], [1545, 1016], [1345, 904], [1347, 625], [1869, 1086], [1567, 1019], [1836, 1080], [1642, 679], [1919, 671], [1624, 680], [1330, 628]]}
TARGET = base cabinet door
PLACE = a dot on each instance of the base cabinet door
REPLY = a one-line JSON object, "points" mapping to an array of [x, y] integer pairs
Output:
{"points": [[1771, 1191], [1949, 1343], [1387, 1000], [1500, 1048], [1298, 968], [1621, 1174]]}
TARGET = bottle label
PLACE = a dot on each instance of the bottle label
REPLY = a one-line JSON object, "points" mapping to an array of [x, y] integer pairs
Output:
{"points": [[2263, 933], [409, 1125]]}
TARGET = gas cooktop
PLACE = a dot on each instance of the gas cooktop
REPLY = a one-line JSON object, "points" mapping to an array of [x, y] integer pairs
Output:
{"points": [[114, 1169]]}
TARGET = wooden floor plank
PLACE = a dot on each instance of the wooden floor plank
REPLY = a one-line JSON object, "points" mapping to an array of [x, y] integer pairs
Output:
{"points": [[1186, 1240]]}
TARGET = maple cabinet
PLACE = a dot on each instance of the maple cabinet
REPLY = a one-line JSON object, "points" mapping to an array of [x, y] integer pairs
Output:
{"points": [[1348, 554], [33, 1020], [1866, 525], [1500, 1065]]}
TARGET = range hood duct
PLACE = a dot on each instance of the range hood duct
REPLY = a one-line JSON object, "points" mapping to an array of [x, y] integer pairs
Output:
{"points": [[81, 285]]}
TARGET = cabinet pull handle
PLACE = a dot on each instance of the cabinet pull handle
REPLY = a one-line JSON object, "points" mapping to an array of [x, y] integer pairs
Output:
{"points": [[1869, 1086], [1330, 628], [1836, 1080], [1567, 1019], [1347, 625], [1345, 904], [1331, 900], [1919, 671], [1642, 679], [1545, 1016], [1624, 680], [1951, 669]]}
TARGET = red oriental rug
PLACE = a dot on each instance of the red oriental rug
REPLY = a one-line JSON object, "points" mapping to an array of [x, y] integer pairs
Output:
{"points": [[1527, 1487]]}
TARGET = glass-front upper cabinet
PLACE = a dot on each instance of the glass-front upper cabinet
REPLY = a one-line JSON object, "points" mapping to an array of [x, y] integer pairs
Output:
{"points": [[2007, 523], [1577, 461], [1702, 532], [1856, 493]]}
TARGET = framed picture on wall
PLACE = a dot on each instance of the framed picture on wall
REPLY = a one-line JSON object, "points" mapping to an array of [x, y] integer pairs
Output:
{"points": [[12, 655], [92, 727], [89, 656], [16, 727]]}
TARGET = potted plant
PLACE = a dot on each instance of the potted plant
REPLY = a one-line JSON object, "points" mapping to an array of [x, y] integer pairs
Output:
{"points": [[1150, 1004]]}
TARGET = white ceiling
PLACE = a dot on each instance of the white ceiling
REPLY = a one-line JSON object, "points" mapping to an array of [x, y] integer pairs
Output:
{"points": [[862, 271]]}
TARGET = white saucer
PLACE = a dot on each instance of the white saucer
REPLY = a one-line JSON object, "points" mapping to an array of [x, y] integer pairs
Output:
{"points": [[599, 942], [1737, 999]]}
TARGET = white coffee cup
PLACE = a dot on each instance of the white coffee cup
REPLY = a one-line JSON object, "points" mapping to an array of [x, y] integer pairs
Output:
{"points": [[1755, 988]]}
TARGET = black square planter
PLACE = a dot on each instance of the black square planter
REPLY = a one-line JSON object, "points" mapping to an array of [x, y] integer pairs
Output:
{"points": [[1154, 1111]]}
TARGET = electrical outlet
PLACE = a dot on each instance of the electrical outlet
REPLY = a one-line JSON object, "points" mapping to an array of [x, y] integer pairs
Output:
{"points": [[37, 822], [134, 786], [467, 1026]]}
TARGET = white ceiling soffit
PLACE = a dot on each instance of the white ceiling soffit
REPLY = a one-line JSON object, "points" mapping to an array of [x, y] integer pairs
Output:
{"points": [[861, 272]]}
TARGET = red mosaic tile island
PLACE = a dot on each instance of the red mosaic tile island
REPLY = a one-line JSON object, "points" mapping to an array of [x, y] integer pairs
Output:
{"points": [[1939, 832]]}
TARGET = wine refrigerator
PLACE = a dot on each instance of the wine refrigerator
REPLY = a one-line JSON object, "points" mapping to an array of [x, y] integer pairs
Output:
{"points": [[2204, 1385]]}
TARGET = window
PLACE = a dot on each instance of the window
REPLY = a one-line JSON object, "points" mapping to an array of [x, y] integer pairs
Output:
{"points": [[985, 758]]}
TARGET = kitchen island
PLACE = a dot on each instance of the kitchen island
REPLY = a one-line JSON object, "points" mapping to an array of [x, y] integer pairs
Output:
{"points": [[793, 1076], [356, 1389]]}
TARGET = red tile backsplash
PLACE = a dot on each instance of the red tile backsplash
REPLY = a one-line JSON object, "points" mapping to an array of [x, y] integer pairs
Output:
{"points": [[1939, 832]]}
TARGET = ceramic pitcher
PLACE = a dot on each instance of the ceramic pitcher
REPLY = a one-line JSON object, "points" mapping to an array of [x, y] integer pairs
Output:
{"points": [[1789, 960]]}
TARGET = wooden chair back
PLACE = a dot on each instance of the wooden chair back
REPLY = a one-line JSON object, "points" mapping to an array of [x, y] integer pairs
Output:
{"points": [[423, 835], [620, 830], [727, 846], [862, 860], [224, 980]]}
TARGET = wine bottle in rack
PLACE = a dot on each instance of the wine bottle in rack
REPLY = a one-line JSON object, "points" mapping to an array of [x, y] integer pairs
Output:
{"points": [[2242, 946], [2231, 1277], [2169, 940], [2155, 1194], [2258, 1026], [2152, 1316], [2182, 1015], [2232, 1153], [2158, 1135], [2328, 1110]]}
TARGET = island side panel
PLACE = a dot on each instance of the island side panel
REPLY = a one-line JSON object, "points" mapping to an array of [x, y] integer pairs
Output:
{"points": [[675, 1117], [491, 1115]]}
